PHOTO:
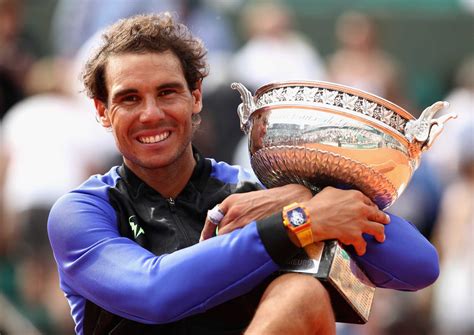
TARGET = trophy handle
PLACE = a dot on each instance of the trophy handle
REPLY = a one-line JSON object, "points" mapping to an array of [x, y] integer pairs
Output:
{"points": [[246, 108], [426, 129]]}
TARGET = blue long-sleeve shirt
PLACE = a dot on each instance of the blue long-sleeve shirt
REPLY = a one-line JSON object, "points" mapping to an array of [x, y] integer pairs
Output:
{"points": [[97, 263]]}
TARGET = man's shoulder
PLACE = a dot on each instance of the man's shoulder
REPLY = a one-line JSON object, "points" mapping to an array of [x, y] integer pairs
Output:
{"points": [[99, 184], [232, 174], [95, 187], [78, 208]]}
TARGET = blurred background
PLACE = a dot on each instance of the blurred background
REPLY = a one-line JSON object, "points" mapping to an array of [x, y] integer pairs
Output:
{"points": [[412, 52]]}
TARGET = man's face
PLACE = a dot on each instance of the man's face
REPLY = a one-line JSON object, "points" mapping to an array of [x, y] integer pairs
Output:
{"points": [[149, 108]]}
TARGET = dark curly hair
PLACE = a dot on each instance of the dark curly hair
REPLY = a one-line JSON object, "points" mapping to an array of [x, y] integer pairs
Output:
{"points": [[143, 34]]}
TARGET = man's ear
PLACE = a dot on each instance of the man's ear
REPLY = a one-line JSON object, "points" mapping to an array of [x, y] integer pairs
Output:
{"points": [[197, 95], [102, 115]]}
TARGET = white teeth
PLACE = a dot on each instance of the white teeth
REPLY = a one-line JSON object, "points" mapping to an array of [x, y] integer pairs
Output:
{"points": [[154, 139]]}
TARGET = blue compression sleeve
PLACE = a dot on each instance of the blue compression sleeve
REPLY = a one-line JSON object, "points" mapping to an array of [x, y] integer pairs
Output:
{"points": [[405, 261]]}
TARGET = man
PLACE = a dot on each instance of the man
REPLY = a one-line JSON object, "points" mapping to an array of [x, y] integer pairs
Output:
{"points": [[127, 242]]}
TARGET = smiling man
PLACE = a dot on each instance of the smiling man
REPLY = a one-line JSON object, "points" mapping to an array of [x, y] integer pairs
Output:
{"points": [[150, 109], [127, 243]]}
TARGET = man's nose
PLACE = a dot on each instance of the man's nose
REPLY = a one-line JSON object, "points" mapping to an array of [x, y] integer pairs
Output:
{"points": [[151, 111]]}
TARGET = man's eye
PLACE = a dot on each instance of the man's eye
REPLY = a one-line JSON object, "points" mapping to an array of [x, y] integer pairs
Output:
{"points": [[166, 92], [130, 98]]}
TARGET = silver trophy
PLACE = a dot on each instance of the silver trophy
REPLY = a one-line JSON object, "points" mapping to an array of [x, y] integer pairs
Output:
{"points": [[322, 134]]}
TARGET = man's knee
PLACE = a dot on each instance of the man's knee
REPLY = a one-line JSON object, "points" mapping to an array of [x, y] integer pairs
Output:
{"points": [[305, 288], [303, 297], [303, 292]]}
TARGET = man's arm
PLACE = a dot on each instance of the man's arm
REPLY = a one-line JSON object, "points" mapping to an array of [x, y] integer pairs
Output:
{"points": [[406, 260], [392, 252], [118, 275], [394, 255]]}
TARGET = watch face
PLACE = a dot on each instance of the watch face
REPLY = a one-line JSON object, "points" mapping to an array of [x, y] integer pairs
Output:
{"points": [[296, 216]]}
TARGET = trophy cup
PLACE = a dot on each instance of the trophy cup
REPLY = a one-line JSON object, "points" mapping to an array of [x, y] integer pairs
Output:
{"points": [[322, 134]]}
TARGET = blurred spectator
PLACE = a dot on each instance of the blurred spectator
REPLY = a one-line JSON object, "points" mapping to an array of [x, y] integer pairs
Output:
{"points": [[220, 129], [15, 60], [275, 50], [359, 62], [208, 20], [453, 303], [446, 154], [51, 145], [10, 93]]}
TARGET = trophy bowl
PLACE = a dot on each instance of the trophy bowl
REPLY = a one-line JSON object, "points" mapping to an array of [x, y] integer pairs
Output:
{"points": [[324, 134]]}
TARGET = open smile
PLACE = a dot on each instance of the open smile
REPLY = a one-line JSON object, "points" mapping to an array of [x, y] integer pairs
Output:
{"points": [[154, 139]]}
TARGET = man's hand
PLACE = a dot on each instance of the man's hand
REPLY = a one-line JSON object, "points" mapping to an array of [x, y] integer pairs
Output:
{"points": [[345, 215], [242, 208]]}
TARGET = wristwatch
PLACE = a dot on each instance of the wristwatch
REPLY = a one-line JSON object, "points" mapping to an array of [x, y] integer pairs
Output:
{"points": [[298, 222]]}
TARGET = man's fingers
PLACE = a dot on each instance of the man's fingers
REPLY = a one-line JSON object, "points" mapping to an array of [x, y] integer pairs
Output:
{"points": [[379, 216], [225, 229], [214, 217], [207, 231], [360, 246], [367, 200], [377, 230], [225, 205]]}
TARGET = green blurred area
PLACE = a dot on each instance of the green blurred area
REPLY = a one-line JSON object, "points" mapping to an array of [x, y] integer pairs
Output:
{"points": [[429, 38], [331, 6]]}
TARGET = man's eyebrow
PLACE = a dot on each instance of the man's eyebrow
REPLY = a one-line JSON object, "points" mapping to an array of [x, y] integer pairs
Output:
{"points": [[121, 93], [175, 84]]}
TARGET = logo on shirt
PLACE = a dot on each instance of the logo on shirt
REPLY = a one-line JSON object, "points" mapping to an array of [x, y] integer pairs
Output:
{"points": [[136, 229]]}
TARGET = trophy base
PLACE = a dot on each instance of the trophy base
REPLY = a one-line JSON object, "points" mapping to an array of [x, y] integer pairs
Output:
{"points": [[350, 290]]}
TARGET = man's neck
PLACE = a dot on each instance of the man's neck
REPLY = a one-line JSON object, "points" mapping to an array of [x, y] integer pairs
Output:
{"points": [[169, 180]]}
